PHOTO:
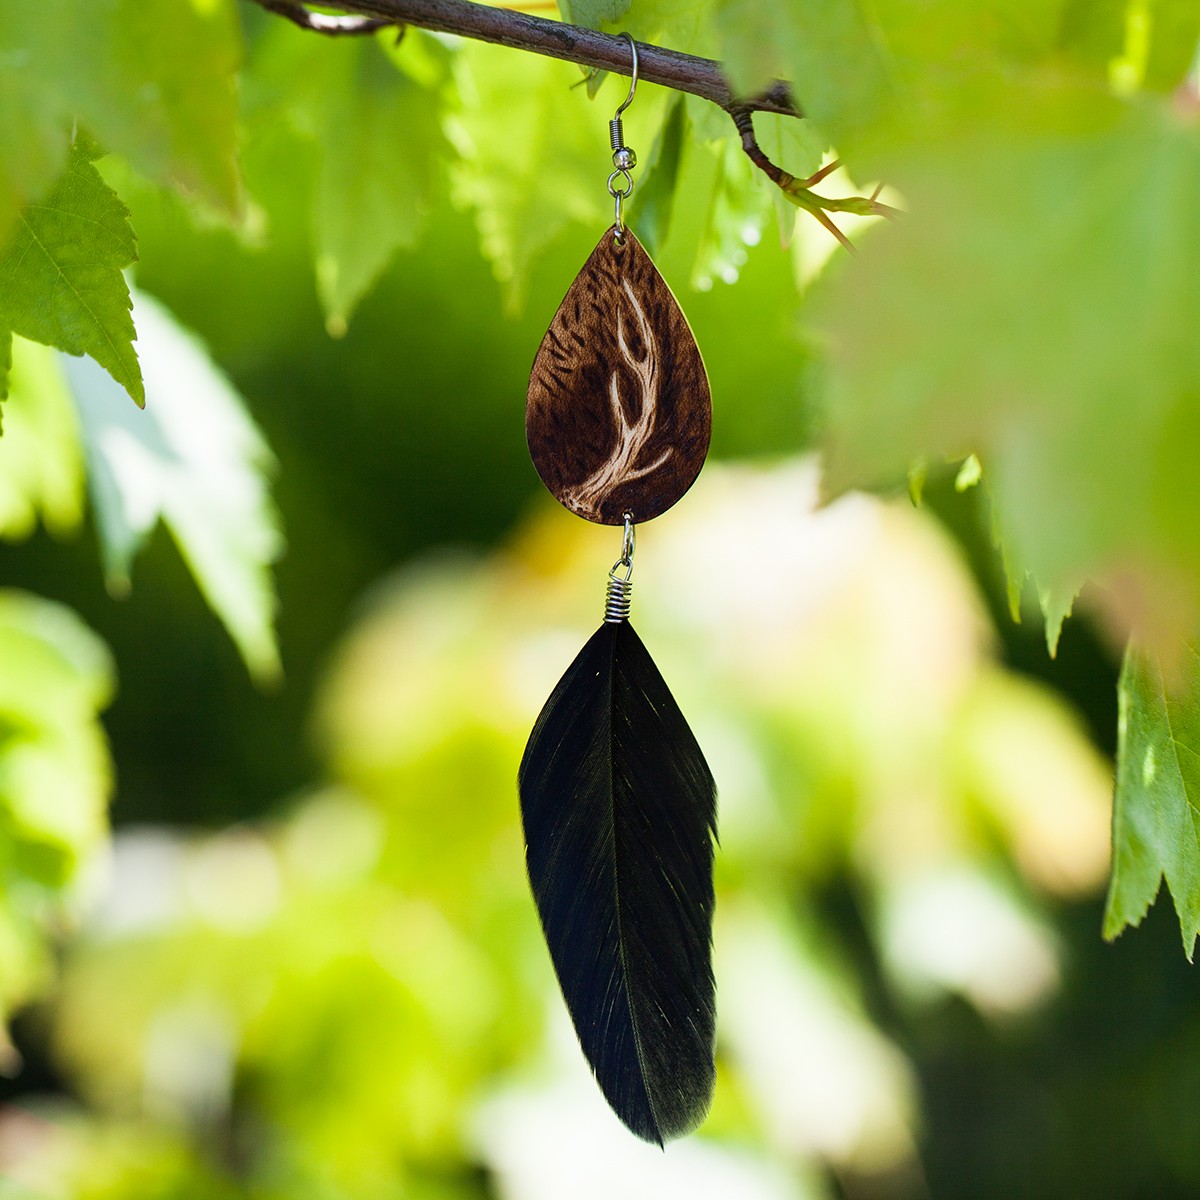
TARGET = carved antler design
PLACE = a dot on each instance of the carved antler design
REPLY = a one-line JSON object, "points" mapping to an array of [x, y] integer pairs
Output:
{"points": [[632, 435], [618, 414]]}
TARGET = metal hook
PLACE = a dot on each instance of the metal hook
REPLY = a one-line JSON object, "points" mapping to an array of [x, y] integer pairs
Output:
{"points": [[627, 540], [617, 594], [624, 159], [633, 81], [627, 546]]}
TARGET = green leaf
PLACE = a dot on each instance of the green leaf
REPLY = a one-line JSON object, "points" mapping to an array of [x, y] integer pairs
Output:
{"points": [[1134, 43], [34, 131], [1093, 31], [380, 146], [737, 211], [758, 42], [533, 157], [917, 477], [1173, 34], [372, 112], [1156, 812], [877, 77], [681, 24], [155, 80], [41, 462], [796, 146], [834, 52], [1056, 341], [1054, 603], [592, 13], [653, 199], [55, 778], [969, 474], [60, 274], [194, 459], [1056, 608], [152, 79], [5, 362]]}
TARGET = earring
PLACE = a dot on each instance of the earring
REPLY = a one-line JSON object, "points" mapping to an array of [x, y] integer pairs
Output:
{"points": [[618, 803]]}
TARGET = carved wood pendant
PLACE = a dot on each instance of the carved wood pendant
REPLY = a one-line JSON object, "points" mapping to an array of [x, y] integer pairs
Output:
{"points": [[619, 413]]}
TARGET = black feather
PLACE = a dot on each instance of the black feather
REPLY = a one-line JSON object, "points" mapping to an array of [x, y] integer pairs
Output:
{"points": [[620, 812]]}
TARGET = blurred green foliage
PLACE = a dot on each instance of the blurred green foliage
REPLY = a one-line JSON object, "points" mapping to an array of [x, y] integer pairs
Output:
{"points": [[340, 991], [306, 964], [54, 783]]}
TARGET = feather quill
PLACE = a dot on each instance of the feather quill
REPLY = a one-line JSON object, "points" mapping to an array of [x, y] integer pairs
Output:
{"points": [[619, 809]]}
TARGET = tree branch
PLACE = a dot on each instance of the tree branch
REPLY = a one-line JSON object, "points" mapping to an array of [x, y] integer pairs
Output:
{"points": [[334, 26], [589, 48], [601, 52]]}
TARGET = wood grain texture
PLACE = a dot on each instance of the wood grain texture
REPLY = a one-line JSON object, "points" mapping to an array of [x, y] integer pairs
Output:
{"points": [[619, 414]]}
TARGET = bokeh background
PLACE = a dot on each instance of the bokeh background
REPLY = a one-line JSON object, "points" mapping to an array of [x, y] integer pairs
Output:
{"points": [[306, 965]]}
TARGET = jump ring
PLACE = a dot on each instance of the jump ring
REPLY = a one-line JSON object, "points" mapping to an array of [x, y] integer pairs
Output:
{"points": [[623, 192]]}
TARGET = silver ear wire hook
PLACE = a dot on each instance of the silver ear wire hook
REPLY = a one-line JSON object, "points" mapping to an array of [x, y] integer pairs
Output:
{"points": [[624, 159], [633, 79]]}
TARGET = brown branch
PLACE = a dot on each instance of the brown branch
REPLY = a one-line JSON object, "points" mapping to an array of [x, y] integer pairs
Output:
{"points": [[799, 191], [588, 47], [334, 26], [600, 52]]}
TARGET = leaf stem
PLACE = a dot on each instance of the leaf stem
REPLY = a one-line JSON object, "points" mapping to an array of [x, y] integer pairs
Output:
{"points": [[799, 191]]}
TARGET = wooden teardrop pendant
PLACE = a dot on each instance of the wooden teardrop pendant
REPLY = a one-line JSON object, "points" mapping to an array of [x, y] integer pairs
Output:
{"points": [[619, 414]]}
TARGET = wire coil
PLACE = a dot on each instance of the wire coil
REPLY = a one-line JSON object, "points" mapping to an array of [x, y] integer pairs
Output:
{"points": [[620, 589], [617, 598]]}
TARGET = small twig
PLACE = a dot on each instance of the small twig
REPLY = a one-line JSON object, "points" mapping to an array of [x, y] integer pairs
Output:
{"points": [[332, 26], [799, 191]]}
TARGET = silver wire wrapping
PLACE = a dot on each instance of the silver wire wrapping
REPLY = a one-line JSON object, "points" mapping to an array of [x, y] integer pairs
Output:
{"points": [[619, 592], [617, 598]]}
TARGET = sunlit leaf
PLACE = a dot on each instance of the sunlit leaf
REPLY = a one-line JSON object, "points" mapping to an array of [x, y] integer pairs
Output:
{"points": [[379, 145], [1055, 601], [1056, 343], [1056, 608], [194, 459], [592, 13], [1093, 31], [759, 42], [154, 79], [1156, 812], [41, 463], [533, 157], [835, 53], [60, 274], [680, 24], [34, 130], [1174, 31], [739, 203], [1135, 43], [654, 197], [877, 78], [54, 778], [795, 146], [5, 362]]}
